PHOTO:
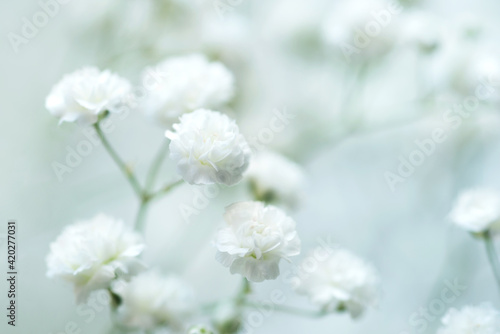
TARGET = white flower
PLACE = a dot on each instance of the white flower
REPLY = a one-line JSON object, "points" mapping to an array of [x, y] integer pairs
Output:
{"points": [[477, 210], [421, 29], [255, 239], [354, 29], [151, 300], [275, 178], [90, 254], [200, 329], [208, 148], [342, 281], [483, 319], [184, 84], [227, 317], [85, 94]]}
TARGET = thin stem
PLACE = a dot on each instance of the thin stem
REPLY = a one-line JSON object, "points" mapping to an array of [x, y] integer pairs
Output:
{"points": [[155, 166], [141, 214], [492, 256], [245, 290], [145, 199], [163, 191], [291, 310], [123, 167]]}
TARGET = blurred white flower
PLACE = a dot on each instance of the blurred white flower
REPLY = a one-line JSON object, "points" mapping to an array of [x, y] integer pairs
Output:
{"points": [[483, 319], [208, 148], [151, 300], [200, 329], [255, 239], [341, 282], [227, 317], [90, 254], [477, 210], [466, 63], [362, 29], [421, 29], [85, 94], [274, 178], [184, 84]]}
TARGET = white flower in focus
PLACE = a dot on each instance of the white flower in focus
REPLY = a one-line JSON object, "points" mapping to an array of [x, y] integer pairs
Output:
{"points": [[85, 94], [477, 210], [208, 148], [90, 254], [255, 239], [275, 178], [340, 282], [483, 319], [151, 300], [184, 84]]}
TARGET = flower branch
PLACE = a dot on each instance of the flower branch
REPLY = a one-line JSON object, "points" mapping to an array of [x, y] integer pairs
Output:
{"points": [[492, 256], [123, 167]]}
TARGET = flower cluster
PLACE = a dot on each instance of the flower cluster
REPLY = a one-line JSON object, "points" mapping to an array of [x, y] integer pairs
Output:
{"points": [[185, 84], [274, 178], [208, 148], [477, 210], [150, 301], [255, 239], [483, 319], [342, 282], [86, 94], [91, 254], [332, 62]]}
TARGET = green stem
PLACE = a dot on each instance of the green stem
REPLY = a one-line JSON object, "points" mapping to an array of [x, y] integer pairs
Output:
{"points": [[291, 310], [155, 166], [245, 290], [141, 214], [123, 167], [492, 256], [164, 190], [145, 199]]}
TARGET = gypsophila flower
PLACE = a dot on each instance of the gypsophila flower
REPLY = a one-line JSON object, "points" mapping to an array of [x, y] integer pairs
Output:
{"points": [[274, 178], [227, 317], [200, 329], [91, 254], [184, 84], [255, 239], [352, 28], [421, 29], [477, 210], [85, 94], [150, 300], [342, 281], [208, 148], [483, 319]]}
